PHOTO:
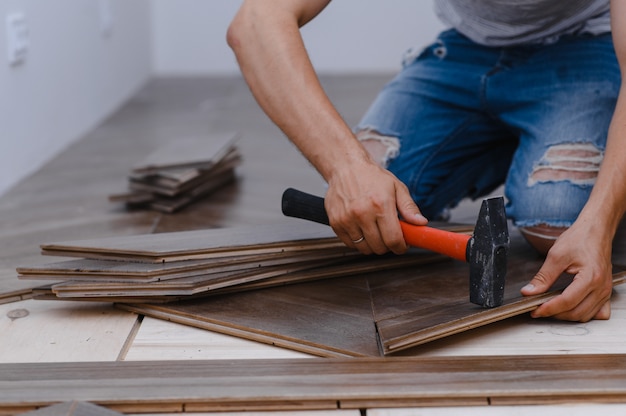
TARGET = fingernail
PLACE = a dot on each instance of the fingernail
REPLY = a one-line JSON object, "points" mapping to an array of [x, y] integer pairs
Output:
{"points": [[420, 217], [529, 287]]}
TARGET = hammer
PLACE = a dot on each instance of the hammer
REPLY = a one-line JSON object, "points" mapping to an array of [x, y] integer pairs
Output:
{"points": [[485, 251]]}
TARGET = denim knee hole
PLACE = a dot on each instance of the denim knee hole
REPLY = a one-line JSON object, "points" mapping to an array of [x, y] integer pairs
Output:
{"points": [[382, 148], [577, 163]]}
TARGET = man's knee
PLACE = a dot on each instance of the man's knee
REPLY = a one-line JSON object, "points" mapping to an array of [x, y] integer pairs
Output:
{"points": [[380, 147], [577, 163], [542, 236]]}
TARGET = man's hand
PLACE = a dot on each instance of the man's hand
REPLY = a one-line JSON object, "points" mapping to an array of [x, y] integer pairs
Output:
{"points": [[585, 252], [363, 201]]}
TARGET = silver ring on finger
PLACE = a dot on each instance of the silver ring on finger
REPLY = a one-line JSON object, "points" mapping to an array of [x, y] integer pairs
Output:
{"points": [[358, 240]]}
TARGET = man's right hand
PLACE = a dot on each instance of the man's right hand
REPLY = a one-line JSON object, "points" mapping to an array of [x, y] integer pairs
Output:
{"points": [[363, 201]]}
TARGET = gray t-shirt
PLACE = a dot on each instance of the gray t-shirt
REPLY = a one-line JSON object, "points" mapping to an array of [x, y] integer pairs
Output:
{"points": [[514, 22]]}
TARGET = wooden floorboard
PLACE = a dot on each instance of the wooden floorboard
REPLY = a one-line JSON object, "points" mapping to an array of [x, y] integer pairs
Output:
{"points": [[48, 331], [301, 384], [158, 339]]}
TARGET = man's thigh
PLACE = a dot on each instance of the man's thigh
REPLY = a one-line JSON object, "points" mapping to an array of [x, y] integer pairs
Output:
{"points": [[562, 115], [428, 128]]}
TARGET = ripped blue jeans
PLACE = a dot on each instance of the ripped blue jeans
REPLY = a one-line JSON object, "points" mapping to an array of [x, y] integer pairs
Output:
{"points": [[461, 119]]}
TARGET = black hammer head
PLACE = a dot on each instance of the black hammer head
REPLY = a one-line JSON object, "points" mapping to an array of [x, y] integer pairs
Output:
{"points": [[486, 254]]}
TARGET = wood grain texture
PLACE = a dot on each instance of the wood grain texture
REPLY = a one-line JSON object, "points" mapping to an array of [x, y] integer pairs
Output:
{"points": [[36, 331], [191, 285], [204, 151], [188, 245], [370, 314], [128, 271], [178, 181], [72, 408], [311, 383], [158, 339]]}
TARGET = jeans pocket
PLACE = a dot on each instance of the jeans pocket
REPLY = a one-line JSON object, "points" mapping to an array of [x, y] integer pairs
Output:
{"points": [[437, 49]]}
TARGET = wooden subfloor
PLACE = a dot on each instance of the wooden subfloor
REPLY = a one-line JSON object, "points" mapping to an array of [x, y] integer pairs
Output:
{"points": [[67, 200]]}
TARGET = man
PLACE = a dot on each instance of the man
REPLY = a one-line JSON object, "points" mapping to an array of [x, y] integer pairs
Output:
{"points": [[520, 91]]}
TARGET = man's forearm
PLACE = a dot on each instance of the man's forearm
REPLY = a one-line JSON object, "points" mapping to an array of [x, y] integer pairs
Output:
{"points": [[274, 62], [607, 203]]}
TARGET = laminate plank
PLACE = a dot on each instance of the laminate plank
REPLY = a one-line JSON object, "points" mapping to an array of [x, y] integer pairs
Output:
{"points": [[204, 151], [36, 331], [173, 204], [266, 316], [167, 184], [301, 384], [196, 244], [432, 318], [183, 286], [126, 271], [523, 335]]}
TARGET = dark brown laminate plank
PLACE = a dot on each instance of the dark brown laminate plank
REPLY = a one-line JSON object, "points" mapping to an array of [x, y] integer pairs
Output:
{"points": [[217, 242], [315, 383], [111, 270], [204, 150], [412, 310]]}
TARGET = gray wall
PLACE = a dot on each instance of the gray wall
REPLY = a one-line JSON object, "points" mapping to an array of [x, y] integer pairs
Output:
{"points": [[349, 35], [87, 57], [74, 75]]}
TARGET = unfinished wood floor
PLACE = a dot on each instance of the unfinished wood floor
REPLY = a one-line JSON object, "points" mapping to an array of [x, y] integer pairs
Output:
{"points": [[67, 200]]}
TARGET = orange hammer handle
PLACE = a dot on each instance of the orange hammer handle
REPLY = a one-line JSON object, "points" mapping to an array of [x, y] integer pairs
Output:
{"points": [[444, 242]]}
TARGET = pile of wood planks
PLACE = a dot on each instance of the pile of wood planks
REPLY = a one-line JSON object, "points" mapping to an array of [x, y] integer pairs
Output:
{"points": [[312, 293], [181, 172], [181, 265]]}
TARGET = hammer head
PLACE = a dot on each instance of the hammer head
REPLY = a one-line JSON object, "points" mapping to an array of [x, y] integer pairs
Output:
{"points": [[486, 254]]}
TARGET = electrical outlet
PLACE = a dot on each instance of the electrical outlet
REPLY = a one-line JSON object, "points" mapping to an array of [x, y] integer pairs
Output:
{"points": [[17, 38]]}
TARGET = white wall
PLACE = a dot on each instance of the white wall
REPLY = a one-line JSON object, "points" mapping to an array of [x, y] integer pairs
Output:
{"points": [[349, 36], [74, 76]]}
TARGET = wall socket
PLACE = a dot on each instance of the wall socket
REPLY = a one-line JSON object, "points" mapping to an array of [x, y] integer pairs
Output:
{"points": [[17, 38]]}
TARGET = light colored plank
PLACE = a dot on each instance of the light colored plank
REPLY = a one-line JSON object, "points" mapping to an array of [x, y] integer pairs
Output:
{"points": [[526, 336], [550, 410], [163, 340], [52, 331]]}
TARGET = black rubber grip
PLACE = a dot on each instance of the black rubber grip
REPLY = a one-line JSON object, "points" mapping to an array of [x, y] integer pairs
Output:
{"points": [[305, 206]]}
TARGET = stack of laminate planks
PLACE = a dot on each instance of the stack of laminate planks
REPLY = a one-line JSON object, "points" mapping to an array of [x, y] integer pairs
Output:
{"points": [[313, 295], [181, 172], [172, 266]]}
